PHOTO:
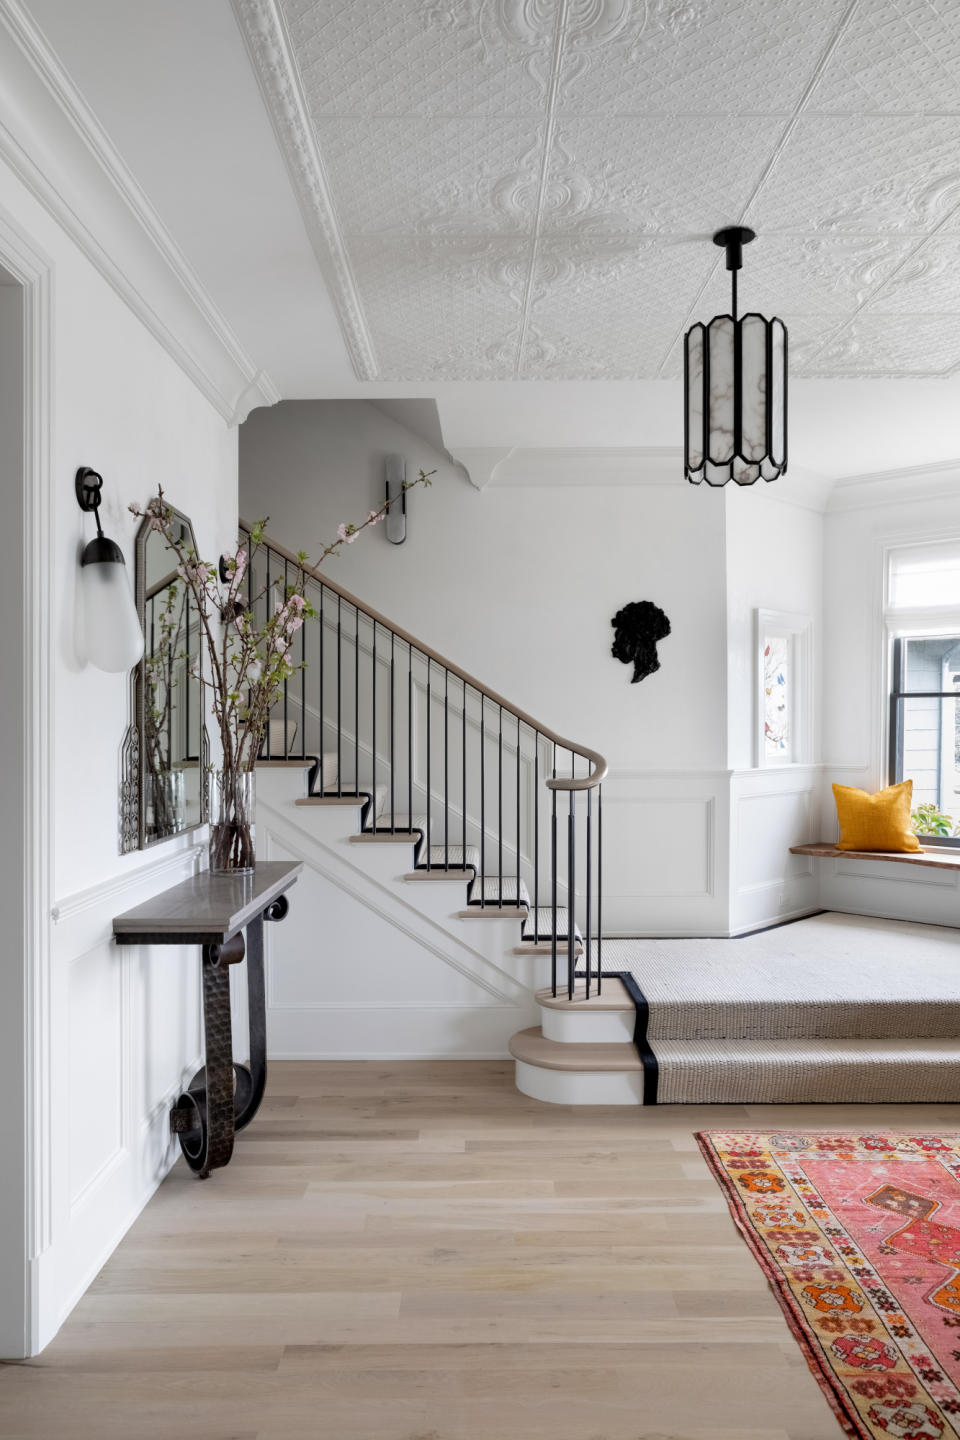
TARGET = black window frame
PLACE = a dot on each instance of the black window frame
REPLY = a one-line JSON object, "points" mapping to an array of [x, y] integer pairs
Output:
{"points": [[895, 748]]}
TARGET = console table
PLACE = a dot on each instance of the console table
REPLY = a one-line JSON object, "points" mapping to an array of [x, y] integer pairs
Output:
{"points": [[213, 911]]}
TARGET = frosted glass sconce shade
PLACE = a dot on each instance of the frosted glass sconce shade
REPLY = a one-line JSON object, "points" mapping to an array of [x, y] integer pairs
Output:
{"points": [[735, 391], [113, 636]]}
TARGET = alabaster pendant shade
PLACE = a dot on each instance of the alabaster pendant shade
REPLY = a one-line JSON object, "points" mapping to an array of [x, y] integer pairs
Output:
{"points": [[735, 392]]}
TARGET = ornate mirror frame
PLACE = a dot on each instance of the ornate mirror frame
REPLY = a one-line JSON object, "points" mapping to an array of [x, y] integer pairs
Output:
{"points": [[135, 779]]}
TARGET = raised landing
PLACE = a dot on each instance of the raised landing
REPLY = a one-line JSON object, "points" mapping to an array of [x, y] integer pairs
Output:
{"points": [[831, 1008]]}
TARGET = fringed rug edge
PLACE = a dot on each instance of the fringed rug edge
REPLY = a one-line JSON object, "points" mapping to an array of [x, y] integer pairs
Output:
{"points": [[797, 1322]]}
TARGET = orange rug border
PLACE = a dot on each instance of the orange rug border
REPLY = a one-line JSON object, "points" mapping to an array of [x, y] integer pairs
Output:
{"points": [[797, 1322]]}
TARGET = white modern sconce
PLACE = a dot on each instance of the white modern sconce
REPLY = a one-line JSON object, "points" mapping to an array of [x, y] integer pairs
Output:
{"points": [[396, 499], [113, 636]]}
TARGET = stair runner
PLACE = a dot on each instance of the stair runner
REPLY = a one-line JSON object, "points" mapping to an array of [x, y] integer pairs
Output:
{"points": [[490, 891], [831, 1008]]}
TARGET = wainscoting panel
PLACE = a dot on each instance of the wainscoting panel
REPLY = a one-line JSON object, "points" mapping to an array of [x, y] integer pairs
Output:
{"points": [[772, 809]]}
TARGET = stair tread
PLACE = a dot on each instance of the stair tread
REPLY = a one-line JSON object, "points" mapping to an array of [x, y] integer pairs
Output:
{"points": [[463, 857], [613, 996], [544, 925], [494, 890], [533, 1048]]}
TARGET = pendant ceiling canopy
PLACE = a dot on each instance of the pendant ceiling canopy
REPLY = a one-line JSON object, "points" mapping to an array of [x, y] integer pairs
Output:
{"points": [[735, 389]]}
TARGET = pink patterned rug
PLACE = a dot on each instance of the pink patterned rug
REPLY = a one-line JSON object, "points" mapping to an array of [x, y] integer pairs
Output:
{"points": [[859, 1236]]}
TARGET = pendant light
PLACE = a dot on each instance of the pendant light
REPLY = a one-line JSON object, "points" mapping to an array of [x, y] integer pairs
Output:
{"points": [[735, 389], [113, 635]]}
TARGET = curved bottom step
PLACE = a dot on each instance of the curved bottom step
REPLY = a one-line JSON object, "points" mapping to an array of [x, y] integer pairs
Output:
{"points": [[742, 1072]]}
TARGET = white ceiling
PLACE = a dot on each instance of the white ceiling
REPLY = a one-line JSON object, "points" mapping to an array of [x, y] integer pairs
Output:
{"points": [[441, 189], [526, 189]]}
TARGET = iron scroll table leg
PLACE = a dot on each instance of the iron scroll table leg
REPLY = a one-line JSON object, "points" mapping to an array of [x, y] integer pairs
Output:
{"points": [[224, 1096]]}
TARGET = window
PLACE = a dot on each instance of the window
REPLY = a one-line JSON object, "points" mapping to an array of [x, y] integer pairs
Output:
{"points": [[923, 621], [782, 723]]}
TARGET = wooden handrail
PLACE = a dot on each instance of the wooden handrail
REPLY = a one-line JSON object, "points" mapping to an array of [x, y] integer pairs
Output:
{"points": [[599, 764]]}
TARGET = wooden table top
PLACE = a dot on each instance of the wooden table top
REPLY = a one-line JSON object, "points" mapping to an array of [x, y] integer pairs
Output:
{"points": [[206, 909]]}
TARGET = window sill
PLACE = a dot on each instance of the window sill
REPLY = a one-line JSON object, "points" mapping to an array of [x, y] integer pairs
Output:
{"points": [[939, 859]]}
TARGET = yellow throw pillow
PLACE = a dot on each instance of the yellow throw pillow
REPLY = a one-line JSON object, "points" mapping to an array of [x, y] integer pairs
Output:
{"points": [[875, 822]]}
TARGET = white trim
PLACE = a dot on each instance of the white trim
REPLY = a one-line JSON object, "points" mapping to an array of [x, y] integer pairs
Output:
{"points": [[271, 57], [112, 889], [893, 487], [142, 262]]}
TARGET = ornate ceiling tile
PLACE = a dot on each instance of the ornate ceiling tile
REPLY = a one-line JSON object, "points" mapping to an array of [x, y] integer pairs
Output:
{"points": [[636, 185], [409, 57], [928, 283], [438, 302], [438, 175], [872, 174], [895, 55], [889, 347], [718, 57]]}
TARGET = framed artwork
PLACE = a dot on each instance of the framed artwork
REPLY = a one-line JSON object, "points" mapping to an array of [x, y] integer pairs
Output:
{"points": [[783, 708]]}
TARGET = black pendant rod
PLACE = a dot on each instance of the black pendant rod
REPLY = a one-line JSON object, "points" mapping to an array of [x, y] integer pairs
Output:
{"points": [[732, 239]]}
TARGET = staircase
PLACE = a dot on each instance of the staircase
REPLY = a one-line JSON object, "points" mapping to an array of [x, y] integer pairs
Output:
{"points": [[497, 813]]}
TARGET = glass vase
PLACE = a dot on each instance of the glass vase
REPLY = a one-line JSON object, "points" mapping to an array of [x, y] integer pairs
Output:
{"points": [[233, 799]]}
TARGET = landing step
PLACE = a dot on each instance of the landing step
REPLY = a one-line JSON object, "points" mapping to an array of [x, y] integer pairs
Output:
{"points": [[745, 1072], [614, 995], [533, 1048]]}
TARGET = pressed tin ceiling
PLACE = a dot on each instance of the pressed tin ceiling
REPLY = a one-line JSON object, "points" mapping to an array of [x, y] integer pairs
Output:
{"points": [[525, 189]]}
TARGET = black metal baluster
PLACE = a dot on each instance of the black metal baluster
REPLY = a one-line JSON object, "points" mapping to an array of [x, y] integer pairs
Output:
{"points": [[409, 735], [446, 779], [500, 809], [589, 874], [518, 809], [571, 879], [553, 873], [483, 802], [322, 625], [373, 724], [429, 790], [339, 695], [599, 889], [463, 769], [356, 705], [393, 658], [536, 836]]}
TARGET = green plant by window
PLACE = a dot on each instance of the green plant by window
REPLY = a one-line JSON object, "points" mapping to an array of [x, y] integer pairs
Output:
{"points": [[928, 820]]}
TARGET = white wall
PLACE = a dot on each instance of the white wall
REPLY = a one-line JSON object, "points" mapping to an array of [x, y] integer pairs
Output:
{"points": [[518, 585], [111, 1034], [774, 552]]}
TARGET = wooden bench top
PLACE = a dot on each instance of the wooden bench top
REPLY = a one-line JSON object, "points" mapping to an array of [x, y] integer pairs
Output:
{"points": [[938, 858]]}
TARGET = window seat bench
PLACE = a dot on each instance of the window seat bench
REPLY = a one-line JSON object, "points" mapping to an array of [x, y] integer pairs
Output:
{"points": [[937, 858]]}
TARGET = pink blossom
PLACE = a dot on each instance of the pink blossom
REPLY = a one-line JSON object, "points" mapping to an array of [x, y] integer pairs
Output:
{"points": [[373, 517], [294, 623], [280, 644], [297, 600]]}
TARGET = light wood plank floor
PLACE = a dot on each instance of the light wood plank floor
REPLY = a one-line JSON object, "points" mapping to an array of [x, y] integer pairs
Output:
{"points": [[416, 1252]]}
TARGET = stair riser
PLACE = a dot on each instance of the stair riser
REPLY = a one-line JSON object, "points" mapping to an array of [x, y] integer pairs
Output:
{"points": [[880, 1021], [579, 1087], [826, 1083], [571, 1027]]}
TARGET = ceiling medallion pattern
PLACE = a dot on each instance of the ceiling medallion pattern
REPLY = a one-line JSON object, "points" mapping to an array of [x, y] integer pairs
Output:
{"points": [[502, 189]]}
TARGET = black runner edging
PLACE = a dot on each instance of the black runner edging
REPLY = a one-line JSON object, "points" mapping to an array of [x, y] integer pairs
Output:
{"points": [[651, 1067]]}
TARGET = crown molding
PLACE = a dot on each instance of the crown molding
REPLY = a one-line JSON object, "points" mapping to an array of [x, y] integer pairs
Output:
{"points": [[53, 142], [940, 480], [271, 56]]}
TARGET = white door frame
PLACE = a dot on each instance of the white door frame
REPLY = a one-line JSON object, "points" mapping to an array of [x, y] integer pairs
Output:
{"points": [[26, 1323]]}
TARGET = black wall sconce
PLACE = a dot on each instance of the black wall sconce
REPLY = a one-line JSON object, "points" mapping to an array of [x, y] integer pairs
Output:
{"points": [[396, 468], [113, 638]]}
